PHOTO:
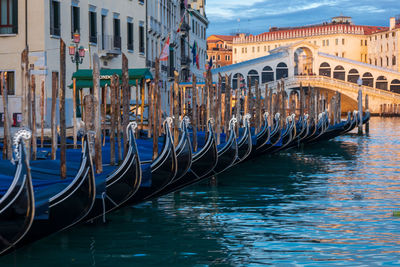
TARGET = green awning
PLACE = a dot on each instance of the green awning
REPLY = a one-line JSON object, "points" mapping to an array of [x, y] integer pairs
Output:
{"points": [[84, 77]]}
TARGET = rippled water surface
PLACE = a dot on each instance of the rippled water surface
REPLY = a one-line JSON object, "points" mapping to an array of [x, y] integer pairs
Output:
{"points": [[326, 204]]}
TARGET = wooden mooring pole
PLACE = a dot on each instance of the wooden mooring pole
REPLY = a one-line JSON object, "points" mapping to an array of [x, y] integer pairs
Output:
{"points": [[63, 128], [194, 111], [360, 112], [97, 114], [7, 148], [366, 109]]}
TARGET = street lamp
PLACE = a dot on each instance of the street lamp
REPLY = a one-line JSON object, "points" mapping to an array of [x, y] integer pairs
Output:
{"points": [[77, 54], [360, 107]]}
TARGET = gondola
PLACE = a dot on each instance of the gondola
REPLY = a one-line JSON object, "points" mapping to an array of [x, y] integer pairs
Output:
{"points": [[227, 154], [353, 124], [77, 191], [366, 117], [245, 143], [286, 137], [17, 204], [274, 138], [263, 137], [123, 183], [183, 150], [203, 163], [157, 174]]}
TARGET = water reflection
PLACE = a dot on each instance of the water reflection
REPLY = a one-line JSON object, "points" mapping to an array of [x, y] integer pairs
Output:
{"points": [[330, 203]]}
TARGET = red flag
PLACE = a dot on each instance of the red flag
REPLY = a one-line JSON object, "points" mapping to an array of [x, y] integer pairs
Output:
{"points": [[165, 51]]}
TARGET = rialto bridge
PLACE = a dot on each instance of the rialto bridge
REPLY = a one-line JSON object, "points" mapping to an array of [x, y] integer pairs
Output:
{"points": [[301, 64]]}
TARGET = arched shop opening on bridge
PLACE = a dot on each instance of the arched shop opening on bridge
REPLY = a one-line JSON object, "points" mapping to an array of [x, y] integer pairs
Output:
{"points": [[325, 70], [282, 71], [353, 76], [252, 77], [238, 81], [368, 79], [382, 83], [395, 86], [339, 73], [267, 74]]}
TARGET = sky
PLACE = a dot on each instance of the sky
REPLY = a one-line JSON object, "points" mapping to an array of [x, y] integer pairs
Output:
{"points": [[256, 16]]}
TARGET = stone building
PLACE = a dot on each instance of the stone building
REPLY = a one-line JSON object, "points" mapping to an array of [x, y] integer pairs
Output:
{"points": [[219, 49], [105, 28]]}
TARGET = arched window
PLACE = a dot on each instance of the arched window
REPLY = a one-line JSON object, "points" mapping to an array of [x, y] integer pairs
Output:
{"points": [[325, 69], [368, 79], [267, 74], [282, 71], [353, 76], [339, 73], [237, 81], [393, 60], [252, 77], [395, 86], [382, 83]]}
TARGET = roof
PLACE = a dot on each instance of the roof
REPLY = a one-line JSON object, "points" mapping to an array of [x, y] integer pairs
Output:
{"points": [[313, 30], [84, 77], [247, 63], [226, 38]]}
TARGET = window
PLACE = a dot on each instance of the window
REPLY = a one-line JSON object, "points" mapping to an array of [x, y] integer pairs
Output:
{"points": [[75, 20], [130, 36], [337, 41], [141, 38], [258, 49], [8, 16], [365, 42], [242, 50], [323, 42], [361, 42], [254, 49], [117, 32], [265, 48], [92, 27], [327, 42], [394, 60], [54, 18], [10, 83], [343, 54], [103, 31], [235, 50], [343, 41], [218, 57]]}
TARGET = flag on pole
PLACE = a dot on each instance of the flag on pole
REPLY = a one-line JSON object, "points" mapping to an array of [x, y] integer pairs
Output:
{"points": [[197, 61], [165, 51], [186, 4], [181, 23], [194, 52]]}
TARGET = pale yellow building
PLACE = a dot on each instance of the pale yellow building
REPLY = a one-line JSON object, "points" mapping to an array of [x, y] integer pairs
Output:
{"points": [[339, 37]]}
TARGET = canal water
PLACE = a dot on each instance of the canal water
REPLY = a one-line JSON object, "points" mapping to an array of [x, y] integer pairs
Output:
{"points": [[327, 204]]}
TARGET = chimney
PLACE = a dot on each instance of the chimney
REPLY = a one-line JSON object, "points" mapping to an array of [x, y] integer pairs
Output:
{"points": [[392, 23]]}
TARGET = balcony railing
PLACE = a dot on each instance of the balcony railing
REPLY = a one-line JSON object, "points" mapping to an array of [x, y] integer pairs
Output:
{"points": [[110, 44]]}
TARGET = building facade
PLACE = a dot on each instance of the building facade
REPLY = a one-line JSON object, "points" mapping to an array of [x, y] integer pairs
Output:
{"points": [[196, 40], [340, 38], [219, 49], [105, 28], [163, 18]]}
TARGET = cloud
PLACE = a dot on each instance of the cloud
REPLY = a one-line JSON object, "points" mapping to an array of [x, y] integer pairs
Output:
{"points": [[258, 15]]}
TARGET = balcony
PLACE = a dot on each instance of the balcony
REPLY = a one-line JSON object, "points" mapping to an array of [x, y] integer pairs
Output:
{"points": [[185, 61], [110, 45]]}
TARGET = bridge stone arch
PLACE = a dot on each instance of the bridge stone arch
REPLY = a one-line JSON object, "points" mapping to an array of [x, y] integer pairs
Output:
{"points": [[282, 70], [339, 73], [303, 61], [325, 69], [382, 83], [267, 74], [395, 86], [353, 76]]}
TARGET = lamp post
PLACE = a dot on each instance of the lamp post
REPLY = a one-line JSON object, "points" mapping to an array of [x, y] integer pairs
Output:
{"points": [[77, 54], [360, 107]]}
